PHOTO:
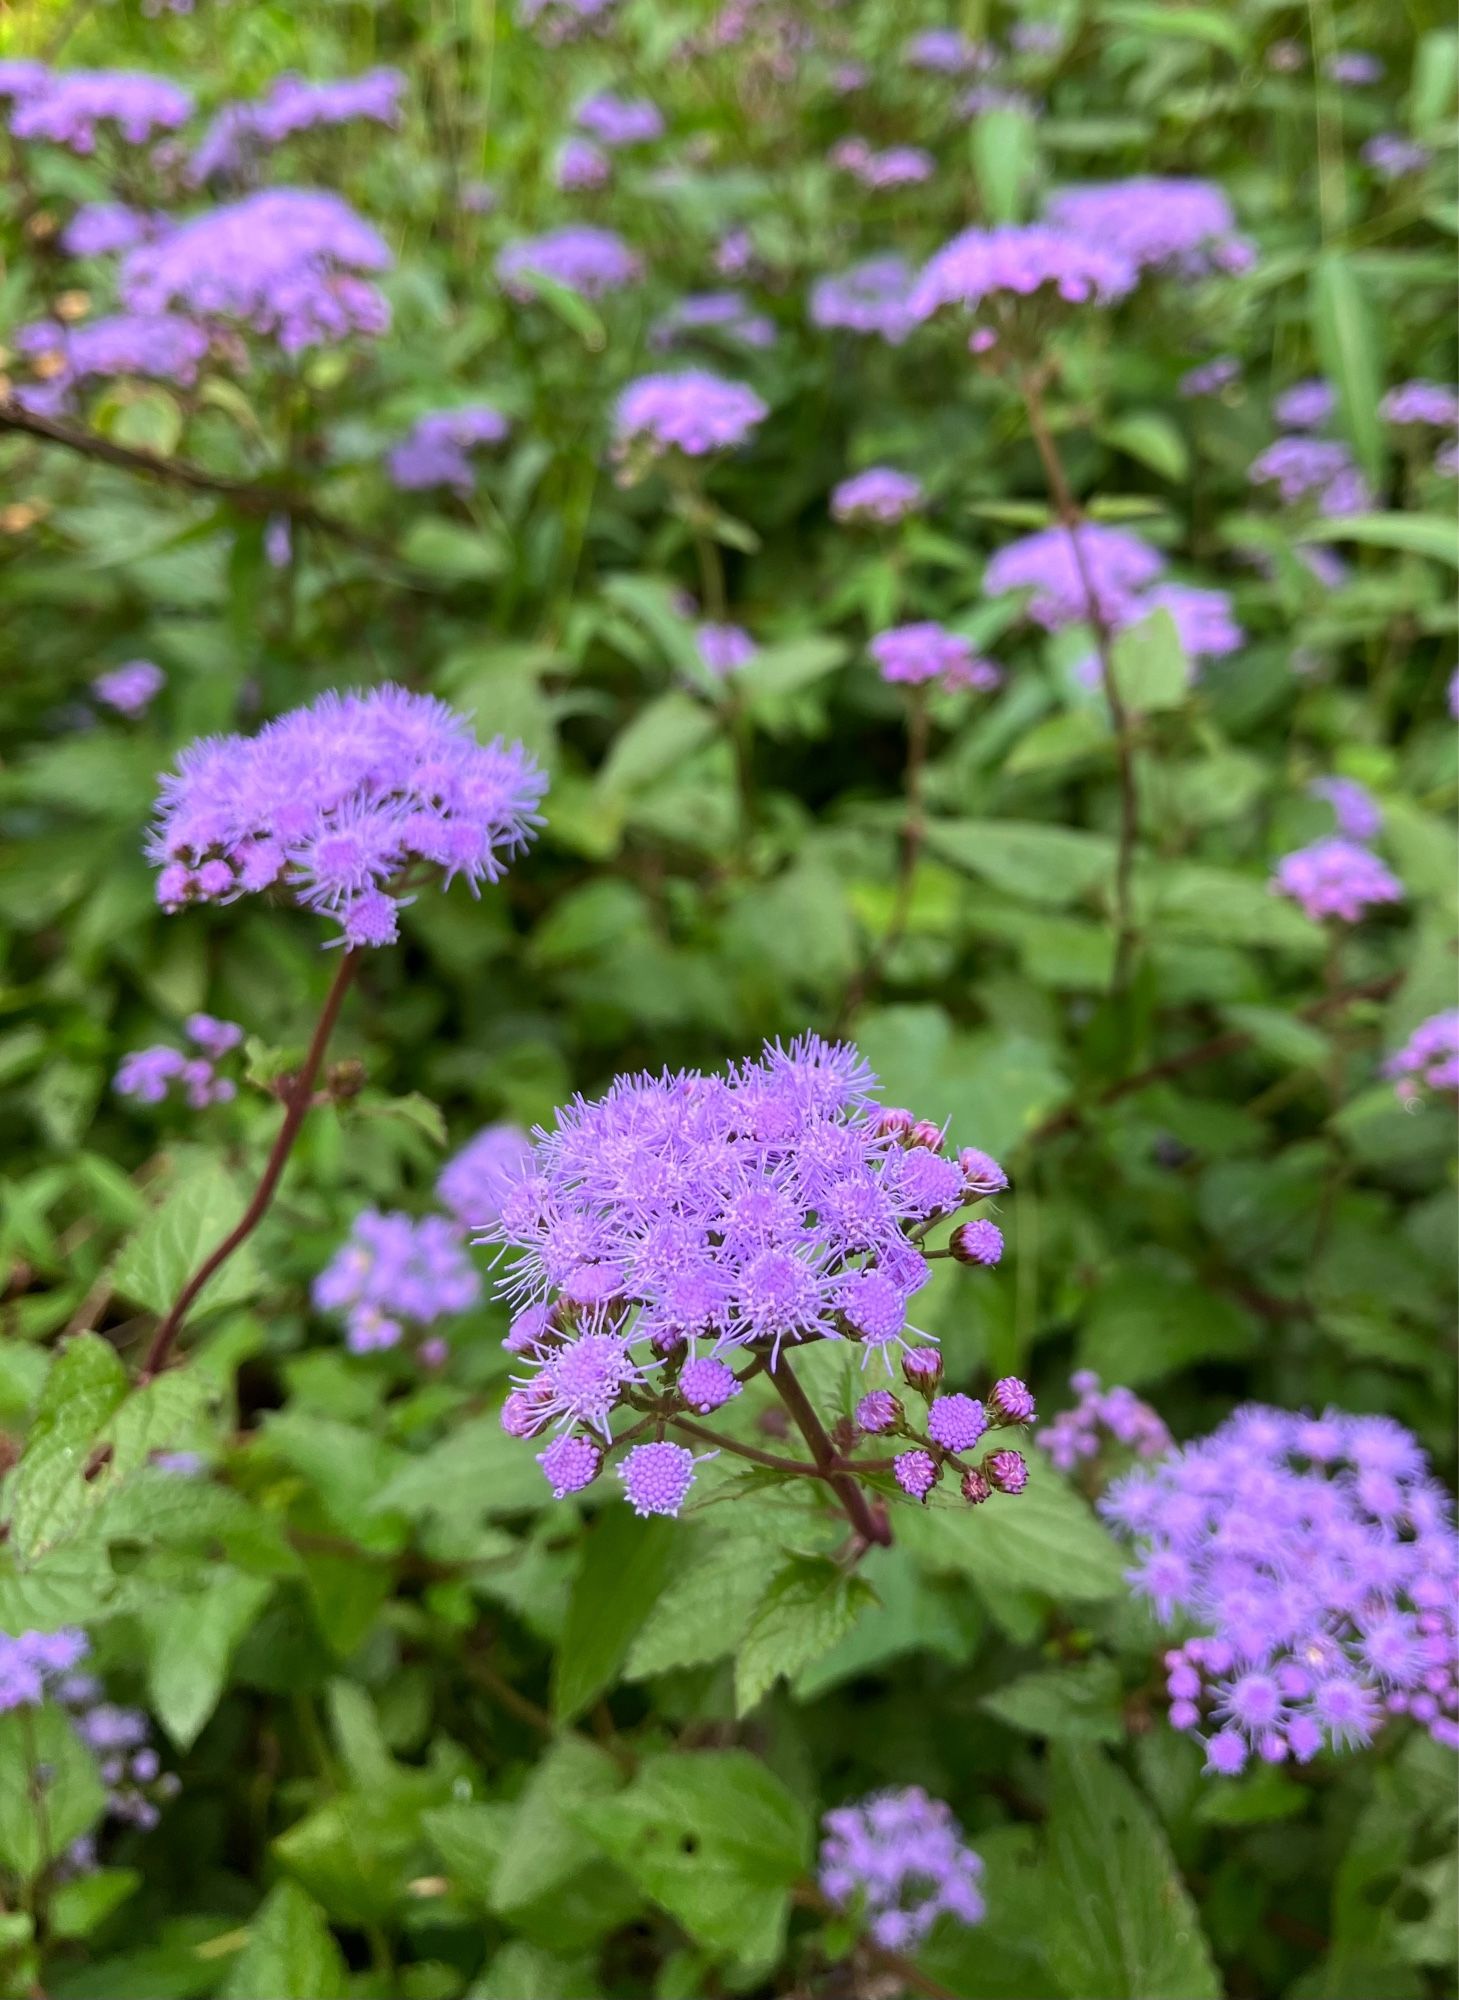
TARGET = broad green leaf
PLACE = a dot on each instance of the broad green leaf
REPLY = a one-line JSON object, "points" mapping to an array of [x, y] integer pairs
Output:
{"points": [[1201, 24], [1345, 334], [78, 1906], [50, 1790], [703, 1613], [1190, 899], [1045, 864], [1045, 1539], [1004, 162], [1121, 1925], [1145, 1324], [202, 1203], [1150, 666], [1432, 535], [913, 1613], [661, 736], [1153, 439], [47, 1495], [810, 1604], [791, 665], [989, 1087], [471, 1839], [454, 553], [190, 1640], [291, 1953], [716, 1840], [625, 1565], [1079, 1702], [476, 1473], [526, 1972]]}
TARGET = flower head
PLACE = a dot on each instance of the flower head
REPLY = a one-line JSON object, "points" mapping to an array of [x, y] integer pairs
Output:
{"points": [[1429, 1059], [581, 258], [912, 655], [1336, 878], [900, 1856], [693, 412], [724, 649], [131, 688], [1118, 1413], [1357, 812], [1181, 226], [880, 496], [1119, 568], [1016, 262], [870, 298], [67, 106], [473, 1183], [396, 1268], [620, 121], [435, 452], [242, 132], [657, 1477], [1426, 405]]}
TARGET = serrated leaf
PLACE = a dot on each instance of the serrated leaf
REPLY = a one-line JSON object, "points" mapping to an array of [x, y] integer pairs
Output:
{"points": [[291, 1952], [810, 1604], [1045, 1539], [705, 1609], [661, 735], [200, 1207], [190, 1640], [1079, 1702], [47, 1495]]}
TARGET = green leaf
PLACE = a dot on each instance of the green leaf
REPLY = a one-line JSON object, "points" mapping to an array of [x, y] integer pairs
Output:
{"points": [[788, 667], [1045, 1539], [202, 1204], [291, 1953], [471, 1839], [703, 1613], [1190, 899], [660, 737], [624, 1567], [1150, 665], [1004, 162], [476, 1473], [50, 1791], [1345, 334], [1121, 1925], [527, 1972], [77, 1907], [1146, 1324], [48, 1495], [1154, 440], [716, 1840], [190, 1640], [810, 1604], [1044, 864], [454, 553], [1080, 1702], [1433, 535]]}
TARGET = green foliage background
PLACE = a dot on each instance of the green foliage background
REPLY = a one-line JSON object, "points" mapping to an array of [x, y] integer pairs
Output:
{"points": [[438, 1735]]}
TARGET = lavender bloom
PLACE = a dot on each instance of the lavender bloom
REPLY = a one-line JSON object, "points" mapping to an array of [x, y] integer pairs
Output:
{"points": [[707, 1385], [214, 1037], [435, 451], [620, 121], [978, 1242], [1014, 262], [131, 688], [99, 228], [956, 1422], [163, 346], [473, 1182], [1075, 1434], [724, 649], [1120, 568], [728, 314], [31, 1663], [899, 1857], [1434, 405], [916, 1472], [591, 262], [657, 1477], [1182, 226], [67, 106], [1210, 378], [694, 412], [395, 1269], [897, 166], [912, 655], [149, 1074], [337, 801], [878, 1412], [873, 297], [947, 52], [1336, 878], [282, 262], [1203, 619], [1357, 812], [569, 1464], [1355, 66], [1429, 1059], [581, 167], [121, 1739], [293, 104], [21, 78], [1306, 406], [880, 496], [1312, 468], [1319, 1561], [146, 1074], [1392, 157]]}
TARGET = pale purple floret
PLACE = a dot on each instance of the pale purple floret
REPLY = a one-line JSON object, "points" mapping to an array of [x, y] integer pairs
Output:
{"points": [[337, 801], [164, 347], [100, 228], [436, 450], [1017, 262], [657, 1477], [914, 655], [214, 1037], [579, 257], [900, 1858], [1117, 1413], [1210, 378], [474, 1182], [1336, 878], [67, 106], [724, 649], [569, 1464], [946, 52], [1006, 1471], [878, 1412], [285, 262], [1316, 469], [31, 1663], [894, 166], [1357, 812], [1431, 405], [1356, 66], [1181, 226], [581, 167], [1317, 1560], [956, 1422], [294, 104], [1306, 406], [872, 298], [727, 315], [981, 1173], [395, 1271], [881, 495], [1429, 1059], [694, 412], [1393, 157], [707, 1384], [915, 1472], [130, 688], [620, 121], [20, 77], [1120, 568], [147, 1074]]}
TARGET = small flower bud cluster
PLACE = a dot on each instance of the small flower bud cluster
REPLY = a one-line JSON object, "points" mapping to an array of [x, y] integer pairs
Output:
{"points": [[895, 166], [1429, 1059], [954, 1424], [130, 1768], [1118, 1414], [879, 497], [131, 688], [899, 1858], [149, 1074]]}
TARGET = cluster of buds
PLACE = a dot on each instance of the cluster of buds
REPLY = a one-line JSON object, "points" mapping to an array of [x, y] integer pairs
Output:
{"points": [[953, 1425]]}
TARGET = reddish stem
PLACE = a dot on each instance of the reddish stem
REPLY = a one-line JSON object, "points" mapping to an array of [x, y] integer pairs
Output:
{"points": [[871, 1523]]}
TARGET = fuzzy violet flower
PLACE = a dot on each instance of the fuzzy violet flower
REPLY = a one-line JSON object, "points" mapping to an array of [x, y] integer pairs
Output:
{"points": [[435, 453], [693, 412], [344, 803], [899, 1860], [32, 1662], [294, 104], [913, 655], [1118, 1414], [102, 228], [1306, 406], [396, 1271], [1317, 469], [473, 1181], [1012, 263], [130, 689], [897, 166], [1429, 1059], [67, 107], [878, 497], [1182, 226], [871, 298], [1357, 812], [1119, 568], [591, 262], [164, 347], [620, 121], [1336, 878], [147, 1075], [724, 649], [1424, 405], [728, 316], [1318, 1562]]}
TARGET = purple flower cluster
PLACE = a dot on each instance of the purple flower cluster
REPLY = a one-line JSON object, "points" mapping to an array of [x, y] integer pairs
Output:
{"points": [[395, 1271], [101, 228], [880, 497], [872, 297], [343, 803], [1428, 405], [435, 452], [913, 655], [32, 1662], [473, 1181], [1211, 377], [620, 121], [896, 166], [581, 167], [946, 52], [1306, 406], [163, 346], [694, 412], [1117, 1413], [283, 262], [954, 1423], [724, 649], [1047, 564], [127, 1760], [130, 688], [1393, 157], [1318, 1559], [1429, 1059], [1182, 226], [1356, 66], [771, 1205], [581, 258], [1357, 812], [242, 131], [1319, 469], [729, 315], [67, 106], [149, 1074], [1018, 262], [899, 1860], [1336, 878]]}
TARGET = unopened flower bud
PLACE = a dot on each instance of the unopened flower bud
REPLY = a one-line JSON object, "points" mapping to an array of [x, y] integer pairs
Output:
{"points": [[1007, 1470], [922, 1369], [925, 1133], [982, 1174], [977, 1242], [1011, 1402], [975, 1488], [894, 1123]]}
